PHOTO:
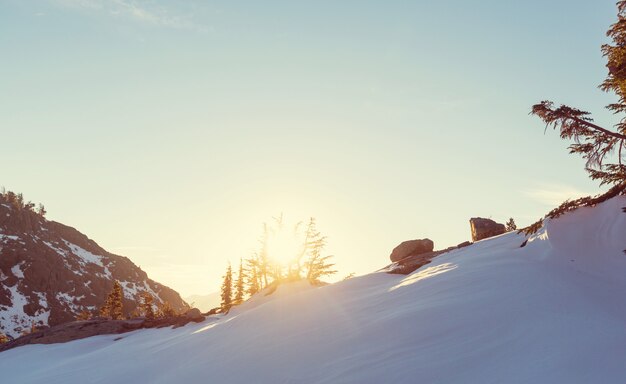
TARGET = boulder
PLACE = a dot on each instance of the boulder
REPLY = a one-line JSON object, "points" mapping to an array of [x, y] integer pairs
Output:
{"points": [[411, 248], [485, 228], [195, 315]]}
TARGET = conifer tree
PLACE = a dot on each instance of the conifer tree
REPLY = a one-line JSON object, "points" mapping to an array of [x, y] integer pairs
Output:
{"points": [[165, 310], [83, 315], [112, 307], [227, 290], [317, 266], [253, 278], [597, 145], [510, 225], [146, 305], [41, 210], [239, 286], [262, 258]]}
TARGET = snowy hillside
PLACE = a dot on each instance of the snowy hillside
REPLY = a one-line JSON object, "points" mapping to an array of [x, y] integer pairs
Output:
{"points": [[552, 311]]}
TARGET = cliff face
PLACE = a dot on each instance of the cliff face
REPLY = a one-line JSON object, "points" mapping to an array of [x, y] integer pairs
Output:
{"points": [[50, 272]]}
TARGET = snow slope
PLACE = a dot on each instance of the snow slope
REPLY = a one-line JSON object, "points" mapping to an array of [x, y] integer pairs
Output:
{"points": [[553, 311]]}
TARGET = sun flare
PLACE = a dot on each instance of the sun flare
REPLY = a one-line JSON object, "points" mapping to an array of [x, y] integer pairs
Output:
{"points": [[283, 246]]}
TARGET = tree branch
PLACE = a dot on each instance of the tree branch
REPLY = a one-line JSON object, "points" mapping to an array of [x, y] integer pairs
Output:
{"points": [[598, 128]]}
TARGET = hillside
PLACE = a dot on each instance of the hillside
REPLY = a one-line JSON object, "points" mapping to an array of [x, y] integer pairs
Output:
{"points": [[552, 311], [50, 272]]}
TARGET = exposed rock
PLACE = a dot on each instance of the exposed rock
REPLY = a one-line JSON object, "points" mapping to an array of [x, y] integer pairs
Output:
{"points": [[411, 263], [75, 330], [411, 248], [194, 314], [485, 228], [213, 311], [464, 244]]}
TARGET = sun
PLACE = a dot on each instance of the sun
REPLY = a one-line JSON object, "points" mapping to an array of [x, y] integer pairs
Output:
{"points": [[283, 246]]}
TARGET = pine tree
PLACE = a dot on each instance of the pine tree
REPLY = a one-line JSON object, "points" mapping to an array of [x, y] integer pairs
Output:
{"points": [[165, 310], [147, 302], [594, 143], [317, 266], [41, 210], [239, 286], [263, 264], [227, 290], [510, 225], [253, 278], [83, 315], [112, 307]]}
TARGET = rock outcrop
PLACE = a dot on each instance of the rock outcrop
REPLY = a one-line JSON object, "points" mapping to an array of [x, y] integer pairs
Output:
{"points": [[485, 228], [411, 248], [49, 272], [75, 330]]}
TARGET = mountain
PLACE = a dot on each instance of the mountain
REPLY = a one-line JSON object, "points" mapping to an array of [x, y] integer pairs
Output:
{"points": [[204, 302], [50, 272], [551, 311]]}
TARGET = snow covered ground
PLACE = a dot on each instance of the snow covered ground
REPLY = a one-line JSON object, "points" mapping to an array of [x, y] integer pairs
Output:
{"points": [[553, 311]]}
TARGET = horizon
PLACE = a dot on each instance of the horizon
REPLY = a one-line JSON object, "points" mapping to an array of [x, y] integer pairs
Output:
{"points": [[169, 133]]}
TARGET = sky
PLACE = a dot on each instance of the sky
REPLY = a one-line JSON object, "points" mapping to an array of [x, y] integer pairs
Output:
{"points": [[169, 131]]}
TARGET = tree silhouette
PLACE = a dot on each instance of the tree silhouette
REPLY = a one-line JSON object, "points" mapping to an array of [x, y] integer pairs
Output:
{"points": [[239, 286], [602, 148], [597, 145], [510, 225], [227, 290]]}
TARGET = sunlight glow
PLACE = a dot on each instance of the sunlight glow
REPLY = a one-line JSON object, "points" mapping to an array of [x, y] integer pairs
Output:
{"points": [[283, 246]]}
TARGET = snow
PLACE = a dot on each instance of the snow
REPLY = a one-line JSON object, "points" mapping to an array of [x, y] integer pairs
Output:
{"points": [[11, 237], [132, 290], [86, 256], [552, 311], [16, 270], [14, 317]]}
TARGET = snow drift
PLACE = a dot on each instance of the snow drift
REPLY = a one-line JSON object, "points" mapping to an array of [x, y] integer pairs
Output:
{"points": [[552, 311]]}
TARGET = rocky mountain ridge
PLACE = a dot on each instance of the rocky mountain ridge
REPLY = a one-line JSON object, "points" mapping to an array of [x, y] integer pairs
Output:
{"points": [[50, 272]]}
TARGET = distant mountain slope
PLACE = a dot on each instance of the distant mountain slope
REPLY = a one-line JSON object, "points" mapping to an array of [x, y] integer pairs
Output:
{"points": [[204, 302], [50, 272], [552, 311]]}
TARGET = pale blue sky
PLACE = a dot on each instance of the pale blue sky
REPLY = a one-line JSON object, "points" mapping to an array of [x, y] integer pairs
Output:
{"points": [[169, 131]]}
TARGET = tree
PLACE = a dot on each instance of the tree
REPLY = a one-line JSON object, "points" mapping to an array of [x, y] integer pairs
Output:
{"points": [[317, 266], [227, 290], [254, 283], [263, 265], [597, 145], [510, 225], [146, 305], [165, 310], [41, 210], [83, 315], [112, 307], [594, 143], [239, 286]]}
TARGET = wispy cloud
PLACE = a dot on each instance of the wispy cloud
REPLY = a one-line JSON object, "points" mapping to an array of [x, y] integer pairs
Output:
{"points": [[555, 194], [146, 12]]}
